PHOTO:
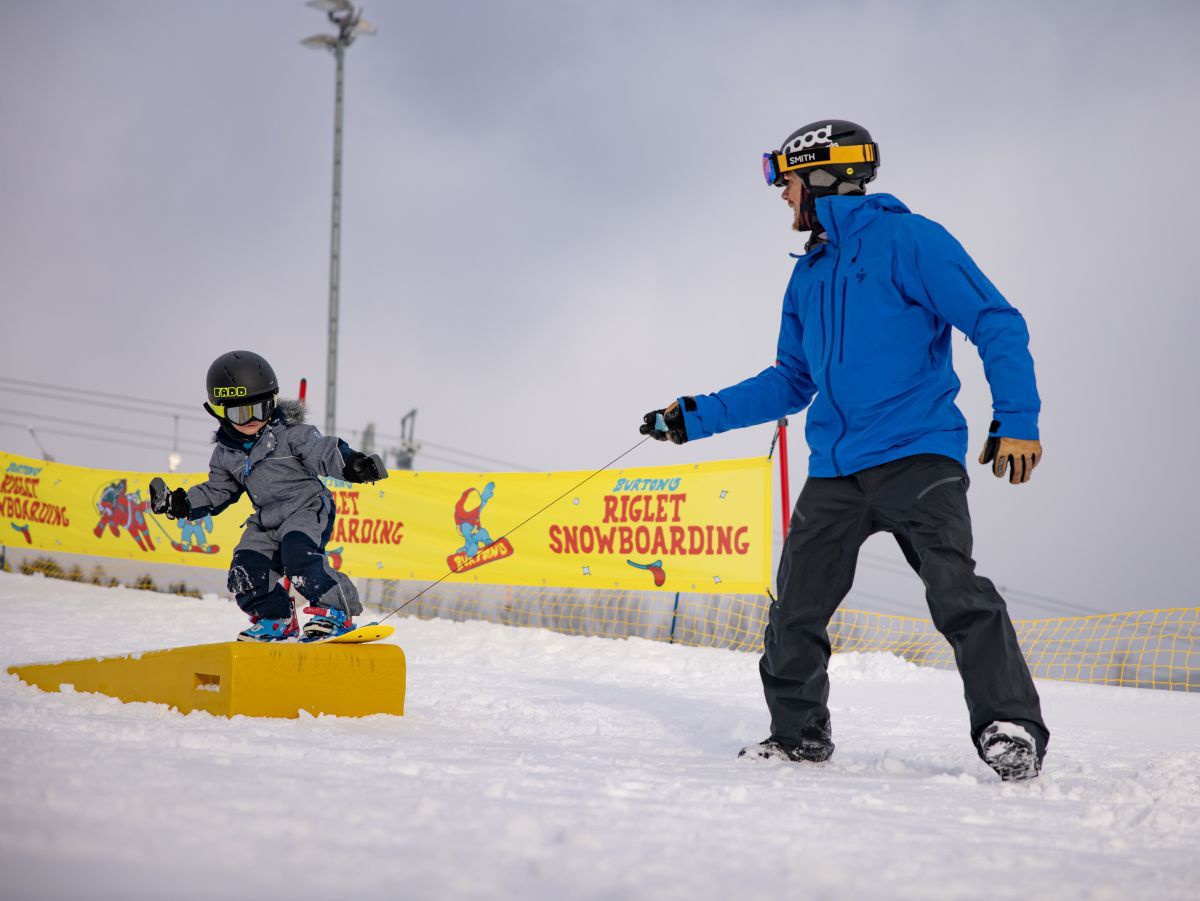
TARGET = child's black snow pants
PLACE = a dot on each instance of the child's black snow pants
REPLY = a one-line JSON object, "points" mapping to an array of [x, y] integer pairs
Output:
{"points": [[295, 549]]}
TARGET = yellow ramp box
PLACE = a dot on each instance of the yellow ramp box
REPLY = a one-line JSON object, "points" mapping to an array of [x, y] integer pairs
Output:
{"points": [[246, 678]]}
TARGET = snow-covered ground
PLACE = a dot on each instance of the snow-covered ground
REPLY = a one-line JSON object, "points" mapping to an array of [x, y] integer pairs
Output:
{"points": [[533, 765]]}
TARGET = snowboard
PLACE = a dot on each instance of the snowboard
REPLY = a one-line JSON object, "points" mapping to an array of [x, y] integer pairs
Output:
{"points": [[358, 635], [195, 548]]}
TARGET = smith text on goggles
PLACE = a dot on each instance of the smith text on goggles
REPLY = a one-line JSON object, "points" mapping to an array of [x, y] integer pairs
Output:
{"points": [[775, 164]]}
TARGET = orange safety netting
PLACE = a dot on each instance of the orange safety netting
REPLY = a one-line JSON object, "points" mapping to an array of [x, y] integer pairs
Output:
{"points": [[1139, 649]]}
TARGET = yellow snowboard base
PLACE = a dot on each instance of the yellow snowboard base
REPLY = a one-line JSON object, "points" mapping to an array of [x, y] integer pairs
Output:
{"points": [[273, 679], [361, 634]]}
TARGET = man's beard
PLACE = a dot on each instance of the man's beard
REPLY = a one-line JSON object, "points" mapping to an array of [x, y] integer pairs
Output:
{"points": [[805, 219]]}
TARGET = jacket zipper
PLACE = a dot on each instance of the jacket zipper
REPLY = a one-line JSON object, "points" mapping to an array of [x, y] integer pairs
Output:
{"points": [[842, 332], [982, 296], [829, 364], [821, 307]]}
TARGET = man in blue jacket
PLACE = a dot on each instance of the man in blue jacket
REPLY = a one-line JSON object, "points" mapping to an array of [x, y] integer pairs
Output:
{"points": [[865, 346]]}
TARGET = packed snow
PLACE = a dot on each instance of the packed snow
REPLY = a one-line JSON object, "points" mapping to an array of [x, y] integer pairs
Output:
{"points": [[535, 765]]}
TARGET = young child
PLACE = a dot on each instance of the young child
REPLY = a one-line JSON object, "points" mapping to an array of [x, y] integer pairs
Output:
{"points": [[267, 451]]}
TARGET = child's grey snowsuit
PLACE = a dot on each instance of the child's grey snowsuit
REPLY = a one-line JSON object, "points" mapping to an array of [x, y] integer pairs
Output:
{"points": [[293, 513]]}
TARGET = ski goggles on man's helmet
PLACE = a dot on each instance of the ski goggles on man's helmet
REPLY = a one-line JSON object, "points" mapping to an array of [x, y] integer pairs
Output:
{"points": [[776, 163], [241, 414]]}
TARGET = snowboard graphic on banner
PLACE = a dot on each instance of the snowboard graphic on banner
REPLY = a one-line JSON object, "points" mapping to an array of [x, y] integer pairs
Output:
{"points": [[478, 547]]}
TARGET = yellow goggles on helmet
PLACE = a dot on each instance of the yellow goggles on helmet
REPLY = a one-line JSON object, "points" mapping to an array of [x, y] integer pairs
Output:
{"points": [[775, 163], [240, 414]]}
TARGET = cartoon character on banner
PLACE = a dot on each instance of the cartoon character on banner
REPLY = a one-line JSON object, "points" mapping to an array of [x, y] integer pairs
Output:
{"points": [[466, 519], [478, 546], [193, 536], [118, 509]]}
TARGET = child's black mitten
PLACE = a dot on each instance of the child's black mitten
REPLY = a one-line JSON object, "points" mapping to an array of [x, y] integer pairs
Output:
{"points": [[173, 503], [362, 468]]}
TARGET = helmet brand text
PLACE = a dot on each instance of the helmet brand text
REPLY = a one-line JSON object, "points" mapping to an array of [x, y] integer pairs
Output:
{"points": [[809, 138]]}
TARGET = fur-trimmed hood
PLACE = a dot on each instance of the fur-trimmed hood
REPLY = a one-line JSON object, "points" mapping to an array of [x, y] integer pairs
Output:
{"points": [[292, 412]]}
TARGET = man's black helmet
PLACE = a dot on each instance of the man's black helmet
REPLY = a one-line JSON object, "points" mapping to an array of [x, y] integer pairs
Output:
{"points": [[828, 154], [241, 387]]}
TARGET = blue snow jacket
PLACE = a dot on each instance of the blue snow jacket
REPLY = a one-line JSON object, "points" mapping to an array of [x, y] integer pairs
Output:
{"points": [[867, 321]]}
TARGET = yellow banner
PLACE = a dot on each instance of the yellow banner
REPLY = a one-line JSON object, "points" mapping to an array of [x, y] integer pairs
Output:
{"points": [[697, 527]]}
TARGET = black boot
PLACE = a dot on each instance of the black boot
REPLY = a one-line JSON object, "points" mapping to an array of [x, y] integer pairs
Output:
{"points": [[815, 747], [1010, 750]]}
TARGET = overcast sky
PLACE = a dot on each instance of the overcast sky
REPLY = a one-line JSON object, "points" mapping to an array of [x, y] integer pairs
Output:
{"points": [[554, 220]]}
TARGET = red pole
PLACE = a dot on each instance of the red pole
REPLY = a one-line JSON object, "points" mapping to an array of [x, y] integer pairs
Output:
{"points": [[786, 511]]}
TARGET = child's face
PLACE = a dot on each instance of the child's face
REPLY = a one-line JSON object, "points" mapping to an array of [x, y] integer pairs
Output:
{"points": [[250, 428]]}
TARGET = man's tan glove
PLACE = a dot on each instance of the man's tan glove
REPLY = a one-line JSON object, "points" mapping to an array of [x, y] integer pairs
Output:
{"points": [[1018, 455]]}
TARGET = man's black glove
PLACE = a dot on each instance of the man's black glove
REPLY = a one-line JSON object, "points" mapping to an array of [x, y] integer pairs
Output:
{"points": [[361, 468], [173, 503], [668, 424]]}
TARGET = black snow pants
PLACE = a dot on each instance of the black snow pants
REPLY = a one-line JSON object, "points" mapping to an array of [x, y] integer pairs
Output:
{"points": [[295, 549], [922, 501]]}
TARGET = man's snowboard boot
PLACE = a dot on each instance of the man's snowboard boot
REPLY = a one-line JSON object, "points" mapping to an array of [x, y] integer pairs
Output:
{"points": [[270, 629], [327, 622], [1010, 750], [816, 746]]}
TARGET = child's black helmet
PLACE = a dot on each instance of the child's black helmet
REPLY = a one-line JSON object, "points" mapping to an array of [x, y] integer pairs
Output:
{"points": [[826, 153], [241, 387]]}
